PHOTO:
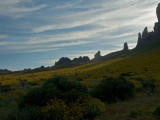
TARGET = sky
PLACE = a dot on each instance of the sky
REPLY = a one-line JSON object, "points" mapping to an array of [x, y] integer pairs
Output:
{"points": [[36, 33]]}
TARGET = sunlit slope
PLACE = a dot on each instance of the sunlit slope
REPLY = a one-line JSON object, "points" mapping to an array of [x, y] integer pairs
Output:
{"points": [[72, 73], [142, 62]]}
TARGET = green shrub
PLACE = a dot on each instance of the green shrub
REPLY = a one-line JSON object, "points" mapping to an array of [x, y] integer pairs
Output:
{"points": [[5, 88], [148, 85], [58, 110], [114, 89], [33, 83], [55, 110], [75, 111], [156, 112], [59, 99], [134, 113], [27, 113], [55, 88], [93, 107]]}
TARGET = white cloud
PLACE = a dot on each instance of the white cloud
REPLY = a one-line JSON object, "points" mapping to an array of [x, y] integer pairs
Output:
{"points": [[17, 8], [102, 18], [22, 48], [3, 36], [48, 62]]}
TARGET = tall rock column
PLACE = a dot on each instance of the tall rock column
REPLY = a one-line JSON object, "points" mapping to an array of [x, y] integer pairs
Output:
{"points": [[145, 35], [139, 40], [158, 12], [157, 24], [125, 48]]}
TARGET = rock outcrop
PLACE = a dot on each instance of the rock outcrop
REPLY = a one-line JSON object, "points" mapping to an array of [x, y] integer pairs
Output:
{"points": [[125, 48], [97, 56], [145, 35], [63, 60], [81, 59], [139, 40], [67, 61]]}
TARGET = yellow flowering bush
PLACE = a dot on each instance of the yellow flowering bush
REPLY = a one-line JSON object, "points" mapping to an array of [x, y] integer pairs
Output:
{"points": [[55, 110], [93, 107]]}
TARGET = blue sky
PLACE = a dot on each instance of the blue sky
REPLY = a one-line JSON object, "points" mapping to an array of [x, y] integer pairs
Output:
{"points": [[38, 32]]}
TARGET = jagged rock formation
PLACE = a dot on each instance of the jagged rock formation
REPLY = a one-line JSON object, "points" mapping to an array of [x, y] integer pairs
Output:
{"points": [[81, 59], [97, 56], [142, 39], [65, 60], [125, 48], [148, 36], [139, 40], [145, 35]]}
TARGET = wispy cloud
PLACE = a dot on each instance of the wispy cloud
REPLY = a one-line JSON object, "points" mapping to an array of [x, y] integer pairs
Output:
{"points": [[3, 36], [103, 16], [17, 8], [23, 48]]}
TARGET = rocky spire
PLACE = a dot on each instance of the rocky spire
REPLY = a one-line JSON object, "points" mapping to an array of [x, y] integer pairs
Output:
{"points": [[158, 12], [139, 39], [157, 24], [97, 55], [145, 35], [125, 48]]}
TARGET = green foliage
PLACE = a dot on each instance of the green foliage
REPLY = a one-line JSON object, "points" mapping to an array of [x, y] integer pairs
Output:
{"points": [[93, 107], [55, 88], [134, 113], [87, 108], [60, 99], [147, 85], [5, 88], [156, 112], [55, 110], [33, 83], [114, 89], [28, 113], [75, 111]]}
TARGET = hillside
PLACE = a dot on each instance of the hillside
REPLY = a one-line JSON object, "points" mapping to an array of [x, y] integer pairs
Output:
{"points": [[138, 67]]}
